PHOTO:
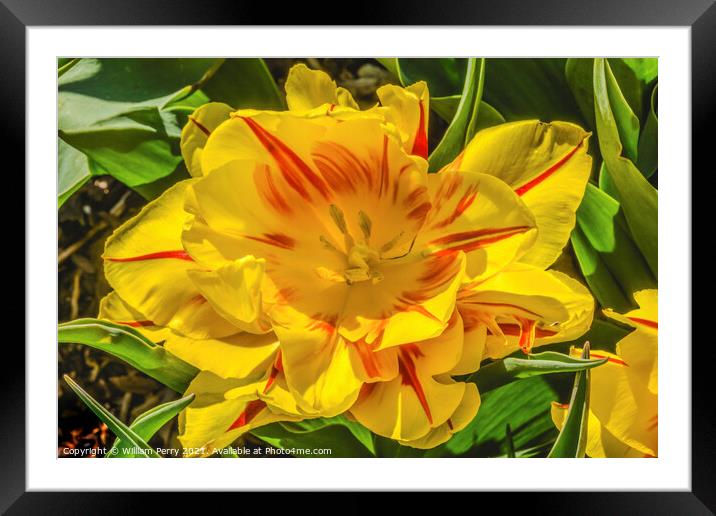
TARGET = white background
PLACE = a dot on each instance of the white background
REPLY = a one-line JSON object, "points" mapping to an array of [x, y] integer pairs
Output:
{"points": [[670, 471]]}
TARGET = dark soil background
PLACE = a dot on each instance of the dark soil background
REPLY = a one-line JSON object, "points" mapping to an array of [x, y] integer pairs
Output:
{"points": [[84, 223]]}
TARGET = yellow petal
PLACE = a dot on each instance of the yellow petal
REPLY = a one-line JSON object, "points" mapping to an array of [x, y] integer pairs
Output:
{"points": [[463, 415], [524, 307], [645, 317], [546, 164], [197, 131], [421, 398], [620, 397], [413, 302], [223, 410], [234, 291], [114, 308], [336, 244], [322, 370], [146, 264], [307, 89], [473, 349], [480, 215], [408, 109], [242, 356], [600, 443]]}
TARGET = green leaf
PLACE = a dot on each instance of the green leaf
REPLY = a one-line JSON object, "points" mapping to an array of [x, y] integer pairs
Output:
{"points": [[604, 334], [131, 346], [444, 76], [154, 189], [649, 139], [645, 68], [572, 439], [446, 107], [509, 369], [361, 433], [73, 171], [118, 428], [113, 111], [245, 83], [524, 89], [524, 405], [638, 198], [149, 423], [336, 437], [465, 120], [608, 257], [96, 90]]}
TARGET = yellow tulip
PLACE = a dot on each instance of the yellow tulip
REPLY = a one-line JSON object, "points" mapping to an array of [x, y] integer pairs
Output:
{"points": [[313, 267], [623, 405]]}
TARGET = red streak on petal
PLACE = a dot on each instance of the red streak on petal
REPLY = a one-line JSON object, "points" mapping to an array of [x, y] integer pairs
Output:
{"points": [[200, 126], [479, 233], [410, 377], [476, 239], [323, 323], [275, 239], [416, 308], [384, 170], [420, 145], [527, 334], [609, 359], [368, 358], [331, 107], [178, 255], [276, 368], [271, 193], [291, 165], [136, 324], [562, 405], [417, 194], [449, 423], [645, 322], [465, 202], [513, 330], [508, 305], [420, 212], [544, 175], [250, 412]]}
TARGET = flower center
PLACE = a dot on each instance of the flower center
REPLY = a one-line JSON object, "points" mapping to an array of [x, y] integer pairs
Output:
{"points": [[362, 263], [361, 259]]}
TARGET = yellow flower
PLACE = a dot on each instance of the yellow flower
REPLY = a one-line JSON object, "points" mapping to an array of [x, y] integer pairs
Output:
{"points": [[623, 408], [313, 267]]}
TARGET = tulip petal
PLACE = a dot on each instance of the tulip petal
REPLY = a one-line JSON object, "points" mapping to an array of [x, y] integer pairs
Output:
{"points": [[524, 306], [413, 302], [620, 397], [480, 215], [223, 410], [463, 415], [548, 167], [421, 397], [600, 442], [315, 224], [234, 291], [145, 263], [307, 89], [473, 349], [645, 317], [408, 109], [243, 356], [197, 131], [115, 309], [322, 370]]}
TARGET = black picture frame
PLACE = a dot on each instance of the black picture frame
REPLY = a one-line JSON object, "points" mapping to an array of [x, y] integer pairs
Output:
{"points": [[700, 15]]}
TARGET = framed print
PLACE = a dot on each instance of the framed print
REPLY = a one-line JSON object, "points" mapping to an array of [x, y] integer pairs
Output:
{"points": [[397, 257]]}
